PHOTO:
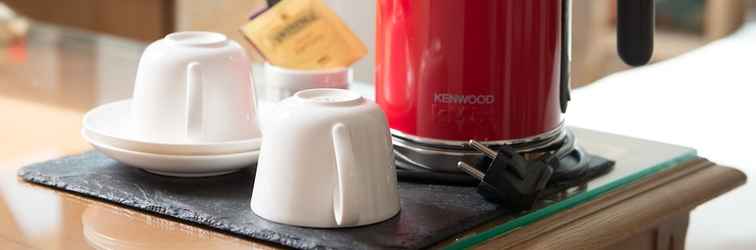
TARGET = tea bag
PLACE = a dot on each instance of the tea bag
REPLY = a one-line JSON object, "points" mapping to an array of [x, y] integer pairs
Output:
{"points": [[303, 34]]}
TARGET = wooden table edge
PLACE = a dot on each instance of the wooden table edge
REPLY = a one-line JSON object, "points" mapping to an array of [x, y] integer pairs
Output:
{"points": [[676, 190]]}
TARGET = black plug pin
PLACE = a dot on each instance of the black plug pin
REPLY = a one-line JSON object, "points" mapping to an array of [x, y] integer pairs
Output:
{"points": [[507, 177]]}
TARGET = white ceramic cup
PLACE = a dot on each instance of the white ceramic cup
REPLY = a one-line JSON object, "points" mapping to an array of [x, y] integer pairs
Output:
{"points": [[328, 162], [280, 83], [194, 87], [284, 82]]}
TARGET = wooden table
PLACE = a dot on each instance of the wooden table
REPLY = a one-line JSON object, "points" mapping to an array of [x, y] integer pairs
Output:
{"points": [[49, 81]]}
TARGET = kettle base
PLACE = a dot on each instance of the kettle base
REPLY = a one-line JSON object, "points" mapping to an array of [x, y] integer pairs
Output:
{"points": [[573, 162], [442, 156]]}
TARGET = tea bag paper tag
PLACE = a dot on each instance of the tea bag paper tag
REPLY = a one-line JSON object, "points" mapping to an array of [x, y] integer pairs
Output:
{"points": [[303, 34]]}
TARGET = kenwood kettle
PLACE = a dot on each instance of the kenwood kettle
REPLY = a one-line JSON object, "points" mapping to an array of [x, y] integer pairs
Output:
{"points": [[496, 71]]}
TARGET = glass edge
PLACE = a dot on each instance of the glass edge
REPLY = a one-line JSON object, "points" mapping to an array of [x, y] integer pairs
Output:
{"points": [[578, 199]]}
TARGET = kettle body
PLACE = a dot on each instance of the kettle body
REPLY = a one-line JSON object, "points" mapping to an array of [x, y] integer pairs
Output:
{"points": [[457, 70], [494, 71]]}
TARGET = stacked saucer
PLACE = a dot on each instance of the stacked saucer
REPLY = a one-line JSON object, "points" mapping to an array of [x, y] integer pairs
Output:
{"points": [[107, 128], [192, 113]]}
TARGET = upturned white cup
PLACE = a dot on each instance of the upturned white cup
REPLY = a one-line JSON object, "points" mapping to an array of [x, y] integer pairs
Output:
{"points": [[194, 87], [328, 162], [280, 83]]}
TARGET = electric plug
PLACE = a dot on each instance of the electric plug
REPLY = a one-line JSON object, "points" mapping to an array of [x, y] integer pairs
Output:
{"points": [[507, 177]]}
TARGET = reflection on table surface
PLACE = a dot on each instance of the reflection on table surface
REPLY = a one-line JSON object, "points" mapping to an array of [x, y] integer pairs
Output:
{"points": [[108, 227], [47, 82]]}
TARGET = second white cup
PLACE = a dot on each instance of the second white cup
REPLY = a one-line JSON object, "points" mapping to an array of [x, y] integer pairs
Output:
{"points": [[327, 162]]}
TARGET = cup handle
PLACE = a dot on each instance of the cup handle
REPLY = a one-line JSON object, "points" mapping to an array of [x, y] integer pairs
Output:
{"points": [[193, 101], [346, 200]]}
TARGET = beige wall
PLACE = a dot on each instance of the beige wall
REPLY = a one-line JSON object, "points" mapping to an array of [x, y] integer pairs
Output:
{"points": [[359, 15], [224, 16]]}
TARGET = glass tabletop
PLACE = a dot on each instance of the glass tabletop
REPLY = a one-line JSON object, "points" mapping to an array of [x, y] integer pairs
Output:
{"points": [[635, 159]]}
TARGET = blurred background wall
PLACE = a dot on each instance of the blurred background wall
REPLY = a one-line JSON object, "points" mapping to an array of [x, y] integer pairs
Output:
{"points": [[683, 25], [138, 19]]}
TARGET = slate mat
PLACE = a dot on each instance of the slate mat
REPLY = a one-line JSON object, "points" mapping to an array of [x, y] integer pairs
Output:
{"points": [[429, 213]]}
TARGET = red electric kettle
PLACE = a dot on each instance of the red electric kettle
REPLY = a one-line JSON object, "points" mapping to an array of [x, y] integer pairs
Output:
{"points": [[495, 71]]}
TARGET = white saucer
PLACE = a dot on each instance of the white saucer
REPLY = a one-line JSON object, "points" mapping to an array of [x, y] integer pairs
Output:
{"points": [[108, 124], [176, 165]]}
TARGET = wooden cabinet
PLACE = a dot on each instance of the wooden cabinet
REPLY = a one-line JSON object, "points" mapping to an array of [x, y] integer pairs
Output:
{"points": [[143, 20]]}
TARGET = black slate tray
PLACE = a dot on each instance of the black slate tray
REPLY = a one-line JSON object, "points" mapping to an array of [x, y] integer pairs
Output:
{"points": [[429, 213]]}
